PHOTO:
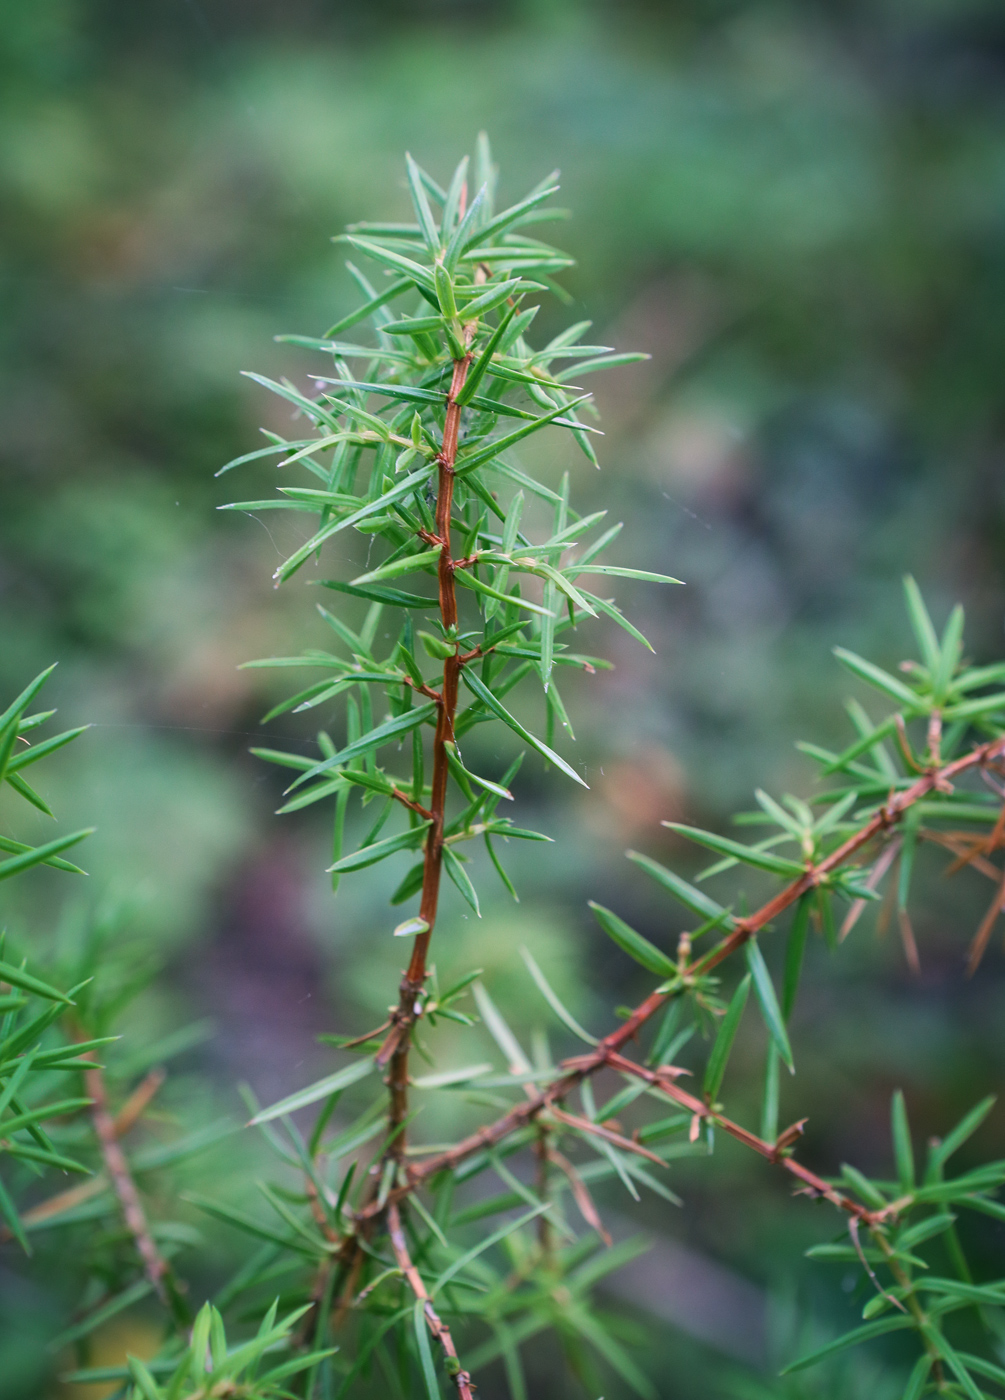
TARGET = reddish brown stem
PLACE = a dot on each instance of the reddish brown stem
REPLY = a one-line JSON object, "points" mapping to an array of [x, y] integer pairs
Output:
{"points": [[154, 1266], [436, 1325], [813, 1183], [412, 804], [425, 690], [608, 1049], [362, 1039], [126, 1118], [887, 816], [318, 1212], [396, 1048], [663, 1079], [544, 1230], [584, 1125]]}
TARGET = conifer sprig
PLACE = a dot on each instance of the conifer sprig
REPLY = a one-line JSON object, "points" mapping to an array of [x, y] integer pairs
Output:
{"points": [[417, 459], [417, 448]]}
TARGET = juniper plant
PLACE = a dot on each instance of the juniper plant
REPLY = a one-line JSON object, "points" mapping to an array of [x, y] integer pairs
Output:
{"points": [[390, 1280], [71, 1093]]}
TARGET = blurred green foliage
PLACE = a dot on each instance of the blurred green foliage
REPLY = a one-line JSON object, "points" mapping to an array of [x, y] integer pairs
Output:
{"points": [[798, 210]]}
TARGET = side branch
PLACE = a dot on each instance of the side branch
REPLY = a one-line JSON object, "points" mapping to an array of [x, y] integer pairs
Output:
{"points": [[154, 1265], [414, 806], [935, 780], [608, 1050], [436, 1325], [774, 1152]]}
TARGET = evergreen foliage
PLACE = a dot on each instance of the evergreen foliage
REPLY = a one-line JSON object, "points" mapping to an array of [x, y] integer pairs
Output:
{"points": [[385, 1264]]}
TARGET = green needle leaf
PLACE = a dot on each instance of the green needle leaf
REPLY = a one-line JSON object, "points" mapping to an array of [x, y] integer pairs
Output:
{"points": [[396, 493], [464, 229], [17, 977], [921, 624], [902, 1150], [482, 693], [494, 296], [425, 1354], [421, 203], [462, 1263], [469, 580], [764, 990], [19, 848], [794, 952], [633, 943], [380, 850], [420, 275], [953, 1141], [896, 1323], [453, 758], [403, 284], [510, 216], [478, 370], [366, 743], [18, 707], [546, 990], [459, 877], [949, 654], [574, 570], [467, 462], [410, 927], [47, 746], [879, 679], [696, 900], [761, 860], [333, 1084], [411, 563], [719, 1058]]}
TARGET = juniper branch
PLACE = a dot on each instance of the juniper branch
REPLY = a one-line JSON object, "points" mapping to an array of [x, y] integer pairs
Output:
{"points": [[607, 1051], [434, 1322]]}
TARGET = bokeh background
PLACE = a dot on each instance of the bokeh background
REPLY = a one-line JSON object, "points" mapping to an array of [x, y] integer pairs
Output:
{"points": [[798, 210]]}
